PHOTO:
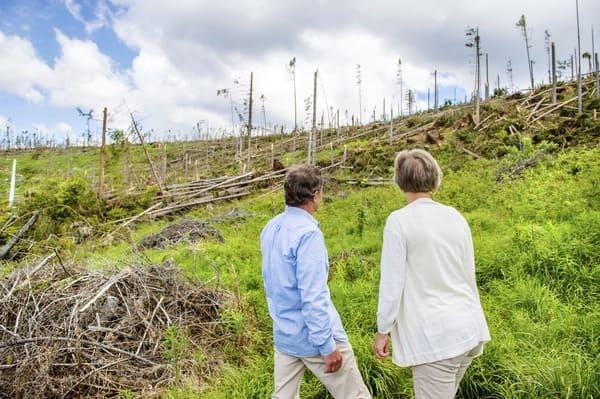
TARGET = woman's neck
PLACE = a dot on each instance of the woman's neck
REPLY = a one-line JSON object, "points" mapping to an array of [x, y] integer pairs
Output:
{"points": [[411, 197]]}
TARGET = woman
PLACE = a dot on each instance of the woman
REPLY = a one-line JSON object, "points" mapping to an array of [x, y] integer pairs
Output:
{"points": [[428, 298]]}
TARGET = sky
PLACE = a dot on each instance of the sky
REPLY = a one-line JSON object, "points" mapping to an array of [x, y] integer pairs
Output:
{"points": [[164, 61]]}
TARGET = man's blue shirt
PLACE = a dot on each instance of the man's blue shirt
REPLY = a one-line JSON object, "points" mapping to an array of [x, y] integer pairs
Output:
{"points": [[294, 269]]}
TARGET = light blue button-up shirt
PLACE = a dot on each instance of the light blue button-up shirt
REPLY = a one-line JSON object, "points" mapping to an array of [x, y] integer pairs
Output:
{"points": [[294, 269]]}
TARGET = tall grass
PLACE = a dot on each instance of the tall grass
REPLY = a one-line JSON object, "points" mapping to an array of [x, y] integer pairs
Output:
{"points": [[537, 240]]}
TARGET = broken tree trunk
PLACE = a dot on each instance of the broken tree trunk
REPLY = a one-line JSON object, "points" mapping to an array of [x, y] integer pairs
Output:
{"points": [[13, 241], [137, 131]]}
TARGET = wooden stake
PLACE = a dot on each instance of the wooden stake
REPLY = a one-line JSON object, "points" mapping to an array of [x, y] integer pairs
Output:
{"points": [[13, 179]]}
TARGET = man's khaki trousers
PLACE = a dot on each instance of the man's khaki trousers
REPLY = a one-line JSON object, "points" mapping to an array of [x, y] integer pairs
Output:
{"points": [[346, 383]]}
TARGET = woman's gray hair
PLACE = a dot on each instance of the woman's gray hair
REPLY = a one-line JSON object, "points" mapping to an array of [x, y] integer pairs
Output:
{"points": [[417, 171]]}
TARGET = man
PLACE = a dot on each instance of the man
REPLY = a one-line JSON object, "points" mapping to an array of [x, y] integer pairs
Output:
{"points": [[307, 329]]}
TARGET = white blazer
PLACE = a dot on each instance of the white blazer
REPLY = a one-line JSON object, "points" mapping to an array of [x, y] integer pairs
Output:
{"points": [[428, 297]]}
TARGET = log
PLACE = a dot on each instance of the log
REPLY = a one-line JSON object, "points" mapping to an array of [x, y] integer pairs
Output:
{"points": [[13, 241], [471, 153], [553, 109]]}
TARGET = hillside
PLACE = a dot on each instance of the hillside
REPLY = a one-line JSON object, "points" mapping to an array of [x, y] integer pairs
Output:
{"points": [[527, 178]]}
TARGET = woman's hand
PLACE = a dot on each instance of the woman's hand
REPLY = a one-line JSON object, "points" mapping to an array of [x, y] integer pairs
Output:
{"points": [[380, 346]]}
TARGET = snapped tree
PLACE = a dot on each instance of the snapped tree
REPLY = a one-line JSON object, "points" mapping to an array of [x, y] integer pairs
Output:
{"points": [[522, 25]]}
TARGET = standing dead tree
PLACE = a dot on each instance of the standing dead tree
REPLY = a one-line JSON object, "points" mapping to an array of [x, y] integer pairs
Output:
{"points": [[101, 188], [547, 47], [553, 47], [579, 89], [359, 84], [522, 25], [312, 140], [509, 72], [596, 66], [400, 83], [473, 41], [291, 67], [134, 125], [250, 122], [89, 116]]}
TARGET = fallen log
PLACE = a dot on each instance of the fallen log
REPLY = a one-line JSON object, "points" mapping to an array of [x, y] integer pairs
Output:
{"points": [[13, 241], [553, 109]]}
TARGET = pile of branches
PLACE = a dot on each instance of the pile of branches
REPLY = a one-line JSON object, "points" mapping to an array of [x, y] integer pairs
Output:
{"points": [[187, 230], [69, 333]]}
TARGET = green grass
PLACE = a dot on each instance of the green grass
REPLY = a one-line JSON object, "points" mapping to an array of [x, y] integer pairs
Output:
{"points": [[537, 242]]}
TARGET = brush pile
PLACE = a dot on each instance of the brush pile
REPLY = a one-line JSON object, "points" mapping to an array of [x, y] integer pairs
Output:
{"points": [[187, 230], [69, 333]]}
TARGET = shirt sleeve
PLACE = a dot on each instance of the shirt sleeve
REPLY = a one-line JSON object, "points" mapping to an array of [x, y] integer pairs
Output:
{"points": [[311, 274], [392, 278], [469, 259]]}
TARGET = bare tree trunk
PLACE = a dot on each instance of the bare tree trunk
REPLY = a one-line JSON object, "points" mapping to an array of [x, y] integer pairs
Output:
{"points": [[579, 86], [478, 78], [158, 182], [597, 76], [250, 123], [295, 103], [595, 57], [487, 78], [164, 163], [435, 91], [428, 99], [102, 155], [553, 73], [313, 130], [126, 171]]}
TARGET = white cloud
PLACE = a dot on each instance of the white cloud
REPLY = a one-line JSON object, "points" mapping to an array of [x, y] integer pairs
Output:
{"points": [[63, 128], [21, 72], [83, 76], [102, 15], [185, 51]]}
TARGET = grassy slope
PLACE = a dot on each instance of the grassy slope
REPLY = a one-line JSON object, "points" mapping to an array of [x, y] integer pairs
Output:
{"points": [[536, 238]]}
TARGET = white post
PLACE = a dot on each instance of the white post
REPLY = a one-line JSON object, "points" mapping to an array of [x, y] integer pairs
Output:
{"points": [[11, 193]]}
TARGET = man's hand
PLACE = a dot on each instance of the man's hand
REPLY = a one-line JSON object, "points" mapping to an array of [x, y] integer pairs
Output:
{"points": [[333, 362], [380, 346]]}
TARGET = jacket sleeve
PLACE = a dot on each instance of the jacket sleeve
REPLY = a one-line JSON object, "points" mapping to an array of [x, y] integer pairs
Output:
{"points": [[392, 276], [311, 273]]}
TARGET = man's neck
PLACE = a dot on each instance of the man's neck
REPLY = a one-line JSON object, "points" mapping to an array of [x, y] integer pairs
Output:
{"points": [[308, 207], [412, 197]]}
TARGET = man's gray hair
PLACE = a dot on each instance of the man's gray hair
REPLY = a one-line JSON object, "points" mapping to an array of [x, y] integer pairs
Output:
{"points": [[417, 171], [302, 182]]}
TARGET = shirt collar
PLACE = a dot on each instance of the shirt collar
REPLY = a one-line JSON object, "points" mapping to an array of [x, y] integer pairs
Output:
{"points": [[294, 210], [423, 201]]}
